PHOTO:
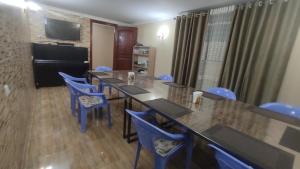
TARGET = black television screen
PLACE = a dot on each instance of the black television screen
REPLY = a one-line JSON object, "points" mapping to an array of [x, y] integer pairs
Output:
{"points": [[63, 30]]}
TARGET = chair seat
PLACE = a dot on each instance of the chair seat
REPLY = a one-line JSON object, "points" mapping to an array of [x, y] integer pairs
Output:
{"points": [[90, 101], [163, 147], [85, 90]]}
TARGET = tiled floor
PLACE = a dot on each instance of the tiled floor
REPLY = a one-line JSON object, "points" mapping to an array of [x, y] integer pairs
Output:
{"points": [[55, 141]]}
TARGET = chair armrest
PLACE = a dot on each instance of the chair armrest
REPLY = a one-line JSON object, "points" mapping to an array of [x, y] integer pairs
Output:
{"points": [[87, 86], [173, 137], [142, 114], [146, 113], [78, 79]]}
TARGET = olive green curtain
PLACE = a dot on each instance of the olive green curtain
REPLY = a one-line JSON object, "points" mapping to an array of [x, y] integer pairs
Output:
{"points": [[189, 34], [260, 45]]}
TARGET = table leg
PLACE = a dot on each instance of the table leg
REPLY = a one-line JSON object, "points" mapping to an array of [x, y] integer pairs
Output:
{"points": [[90, 78], [129, 122], [125, 118]]}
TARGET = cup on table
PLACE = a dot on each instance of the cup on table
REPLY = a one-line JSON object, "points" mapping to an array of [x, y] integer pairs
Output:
{"points": [[130, 82], [197, 97], [131, 76]]}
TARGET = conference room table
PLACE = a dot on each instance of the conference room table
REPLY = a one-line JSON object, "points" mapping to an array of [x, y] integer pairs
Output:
{"points": [[261, 138]]}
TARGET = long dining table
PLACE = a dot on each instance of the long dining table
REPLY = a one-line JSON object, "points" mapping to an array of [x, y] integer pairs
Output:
{"points": [[261, 138]]}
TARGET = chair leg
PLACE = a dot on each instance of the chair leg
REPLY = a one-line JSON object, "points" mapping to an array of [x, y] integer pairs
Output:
{"points": [[94, 111], [83, 119], [109, 116], [99, 112], [79, 113], [100, 88], [110, 90], [160, 163], [137, 156], [73, 105], [189, 151]]}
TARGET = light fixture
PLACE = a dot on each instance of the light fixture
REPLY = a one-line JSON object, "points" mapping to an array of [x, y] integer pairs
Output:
{"points": [[33, 6], [16, 3], [48, 167], [22, 4], [163, 32]]}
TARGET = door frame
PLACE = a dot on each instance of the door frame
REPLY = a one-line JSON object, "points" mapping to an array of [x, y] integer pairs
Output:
{"points": [[91, 39]]}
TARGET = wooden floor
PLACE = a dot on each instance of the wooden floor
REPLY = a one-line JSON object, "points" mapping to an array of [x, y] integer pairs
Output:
{"points": [[55, 141]]}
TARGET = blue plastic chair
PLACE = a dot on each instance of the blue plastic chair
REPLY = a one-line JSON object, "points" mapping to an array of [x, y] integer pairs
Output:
{"points": [[227, 161], [101, 84], [162, 144], [103, 69], [72, 95], [222, 92], [88, 100], [283, 109], [75, 79], [166, 77]]}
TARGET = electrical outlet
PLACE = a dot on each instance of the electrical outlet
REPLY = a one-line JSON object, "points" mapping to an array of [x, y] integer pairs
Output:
{"points": [[6, 90]]}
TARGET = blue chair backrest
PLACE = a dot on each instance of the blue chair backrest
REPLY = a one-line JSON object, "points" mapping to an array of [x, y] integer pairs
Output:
{"points": [[147, 132], [222, 92], [103, 69], [283, 109], [65, 76], [75, 79], [227, 161], [70, 87], [166, 77]]}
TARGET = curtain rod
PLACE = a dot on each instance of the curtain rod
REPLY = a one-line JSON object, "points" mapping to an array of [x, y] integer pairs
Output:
{"points": [[225, 5], [212, 7], [190, 16]]}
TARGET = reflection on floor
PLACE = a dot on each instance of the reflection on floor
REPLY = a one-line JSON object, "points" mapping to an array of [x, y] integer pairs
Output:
{"points": [[55, 141]]}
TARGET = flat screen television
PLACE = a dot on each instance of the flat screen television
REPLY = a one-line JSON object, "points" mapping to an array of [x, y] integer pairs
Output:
{"points": [[62, 30]]}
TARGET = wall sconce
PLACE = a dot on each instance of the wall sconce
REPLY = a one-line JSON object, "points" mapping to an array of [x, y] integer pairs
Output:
{"points": [[163, 32]]}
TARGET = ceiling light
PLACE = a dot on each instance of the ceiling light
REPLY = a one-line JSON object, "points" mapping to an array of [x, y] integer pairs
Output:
{"points": [[48, 167], [22, 4], [16, 3], [33, 6]]}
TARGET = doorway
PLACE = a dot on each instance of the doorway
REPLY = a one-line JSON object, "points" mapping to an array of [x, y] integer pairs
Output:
{"points": [[103, 45], [111, 45]]}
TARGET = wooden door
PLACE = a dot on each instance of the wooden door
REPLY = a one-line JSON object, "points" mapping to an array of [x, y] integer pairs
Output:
{"points": [[125, 39]]}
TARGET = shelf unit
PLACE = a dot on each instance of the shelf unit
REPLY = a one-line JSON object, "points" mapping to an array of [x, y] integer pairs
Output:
{"points": [[143, 59]]}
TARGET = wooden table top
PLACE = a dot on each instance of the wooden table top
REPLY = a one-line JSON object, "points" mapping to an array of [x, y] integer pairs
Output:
{"points": [[254, 135]]}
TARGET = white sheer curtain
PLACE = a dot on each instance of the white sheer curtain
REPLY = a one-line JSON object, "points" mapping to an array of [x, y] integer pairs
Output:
{"points": [[214, 46]]}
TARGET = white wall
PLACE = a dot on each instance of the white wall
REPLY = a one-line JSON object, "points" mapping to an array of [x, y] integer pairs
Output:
{"points": [[147, 35], [290, 90], [103, 45]]}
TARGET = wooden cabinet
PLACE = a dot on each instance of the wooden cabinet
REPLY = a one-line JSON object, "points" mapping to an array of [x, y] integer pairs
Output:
{"points": [[144, 59]]}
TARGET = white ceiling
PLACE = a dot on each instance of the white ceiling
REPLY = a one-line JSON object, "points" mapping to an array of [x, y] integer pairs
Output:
{"points": [[134, 11]]}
